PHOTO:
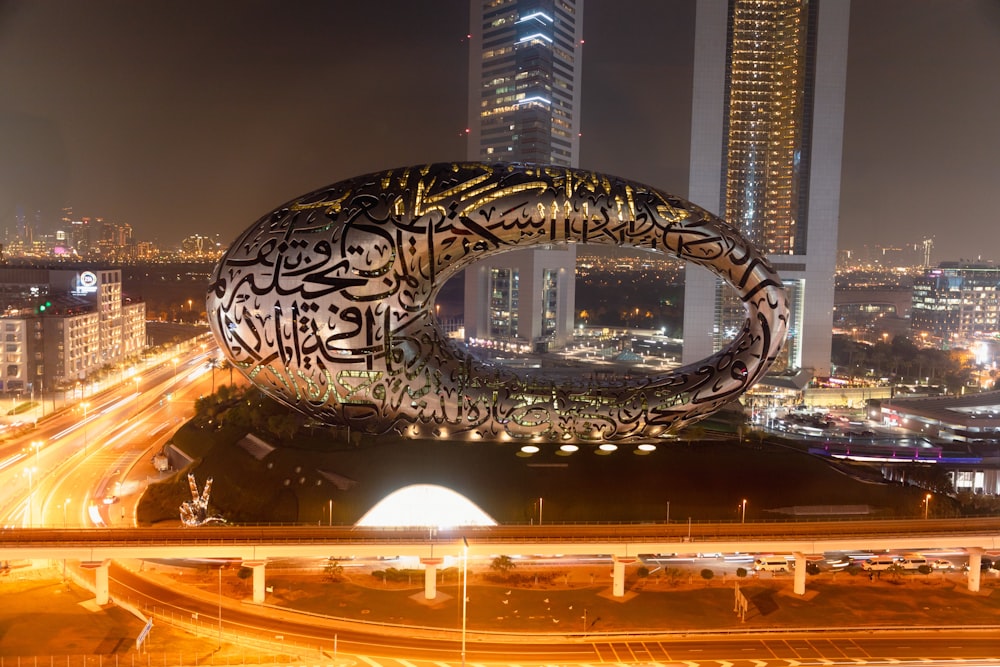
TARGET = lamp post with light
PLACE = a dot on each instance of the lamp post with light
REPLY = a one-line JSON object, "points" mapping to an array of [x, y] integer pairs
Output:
{"points": [[136, 380], [927, 505], [85, 405], [743, 511], [30, 472], [465, 591]]}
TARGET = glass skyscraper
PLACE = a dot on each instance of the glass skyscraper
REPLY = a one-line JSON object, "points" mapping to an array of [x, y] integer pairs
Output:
{"points": [[524, 106], [767, 130]]}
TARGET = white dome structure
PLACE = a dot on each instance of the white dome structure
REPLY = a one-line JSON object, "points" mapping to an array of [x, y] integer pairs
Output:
{"points": [[425, 506]]}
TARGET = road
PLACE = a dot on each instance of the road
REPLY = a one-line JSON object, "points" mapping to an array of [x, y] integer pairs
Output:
{"points": [[81, 459], [378, 643], [414, 644]]}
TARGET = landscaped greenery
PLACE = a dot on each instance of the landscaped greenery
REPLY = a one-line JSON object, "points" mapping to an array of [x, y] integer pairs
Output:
{"points": [[701, 479]]}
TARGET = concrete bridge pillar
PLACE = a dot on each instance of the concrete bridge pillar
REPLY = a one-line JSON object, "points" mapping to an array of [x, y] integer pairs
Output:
{"points": [[101, 592], [430, 576], [975, 568], [799, 586], [618, 575], [258, 579]]}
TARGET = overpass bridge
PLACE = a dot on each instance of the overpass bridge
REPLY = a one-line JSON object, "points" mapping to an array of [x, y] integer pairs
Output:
{"points": [[252, 546], [900, 298]]}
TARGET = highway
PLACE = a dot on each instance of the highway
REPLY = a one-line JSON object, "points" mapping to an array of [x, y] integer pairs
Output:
{"points": [[261, 542], [80, 461], [383, 645]]}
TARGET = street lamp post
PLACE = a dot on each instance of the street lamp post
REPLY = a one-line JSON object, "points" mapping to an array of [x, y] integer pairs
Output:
{"points": [[85, 405], [743, 511], [30, 472], [927, 504], [136, 380], [331, 513], [465, 591], [220, 604]]}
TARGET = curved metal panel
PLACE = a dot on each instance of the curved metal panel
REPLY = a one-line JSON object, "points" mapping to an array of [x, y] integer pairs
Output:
{"points": [[326, 303]]}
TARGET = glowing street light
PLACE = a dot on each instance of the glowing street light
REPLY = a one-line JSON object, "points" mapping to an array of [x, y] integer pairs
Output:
{"points": [[30, 473], [743, 511], [927, 504], [136, 380], [36, 445], [85, 405], [465, 591]]}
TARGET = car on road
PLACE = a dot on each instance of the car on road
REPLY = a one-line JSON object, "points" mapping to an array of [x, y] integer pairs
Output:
{"points": [[941, 564], [772, 564], [880, 563]]}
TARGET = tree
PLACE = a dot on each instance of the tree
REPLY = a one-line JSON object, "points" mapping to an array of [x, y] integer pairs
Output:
{"points": [[503, 564], [244, 573], [333, 571], [707, 574]]}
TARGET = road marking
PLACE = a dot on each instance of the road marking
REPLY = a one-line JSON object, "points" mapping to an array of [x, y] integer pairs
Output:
{"points": [[405, 663], [368, 660]]}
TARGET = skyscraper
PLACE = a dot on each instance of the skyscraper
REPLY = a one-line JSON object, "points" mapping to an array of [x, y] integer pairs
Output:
{"points": [[767, 131], [524, 106]]}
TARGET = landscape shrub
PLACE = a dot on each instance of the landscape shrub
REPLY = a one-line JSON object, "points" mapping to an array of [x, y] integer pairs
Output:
{"points": [[707, 574]]}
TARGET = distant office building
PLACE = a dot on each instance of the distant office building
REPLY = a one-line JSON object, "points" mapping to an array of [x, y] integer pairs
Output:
{"points": [[767, 128], [956, 301], [524, 106], [61, 325]]}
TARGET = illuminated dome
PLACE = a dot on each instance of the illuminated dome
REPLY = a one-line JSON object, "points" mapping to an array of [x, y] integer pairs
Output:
{"points": [[425, 506]]}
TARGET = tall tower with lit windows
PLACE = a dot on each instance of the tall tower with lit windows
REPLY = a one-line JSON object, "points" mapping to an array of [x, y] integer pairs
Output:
{"points": [[524, 106], [766, 138]]}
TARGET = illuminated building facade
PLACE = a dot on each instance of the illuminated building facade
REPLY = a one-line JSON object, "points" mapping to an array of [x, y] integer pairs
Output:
{"points": [[957, 301], [61, 325], [767, 128], [524, 106]]}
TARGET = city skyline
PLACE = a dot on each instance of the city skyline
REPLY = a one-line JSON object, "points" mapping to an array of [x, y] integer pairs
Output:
{"points": [[207, 124]]}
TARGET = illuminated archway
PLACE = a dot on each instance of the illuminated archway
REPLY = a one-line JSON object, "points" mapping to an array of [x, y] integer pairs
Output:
{"points": [[425, 506]]}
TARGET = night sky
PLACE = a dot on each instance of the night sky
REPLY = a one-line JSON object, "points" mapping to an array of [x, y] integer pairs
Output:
{"points": [[199, 116]]}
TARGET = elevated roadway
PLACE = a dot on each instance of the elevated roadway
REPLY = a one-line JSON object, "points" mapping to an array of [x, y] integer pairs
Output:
{"points": [[263, 542]]}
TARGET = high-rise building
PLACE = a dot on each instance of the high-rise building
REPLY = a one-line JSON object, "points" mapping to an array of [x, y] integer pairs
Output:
{"points": [[62, 325], [957, 302], [766, 139], [524, 106]]}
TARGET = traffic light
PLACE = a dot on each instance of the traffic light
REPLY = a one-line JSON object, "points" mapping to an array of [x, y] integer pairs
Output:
{"points": [[43, 306]]}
